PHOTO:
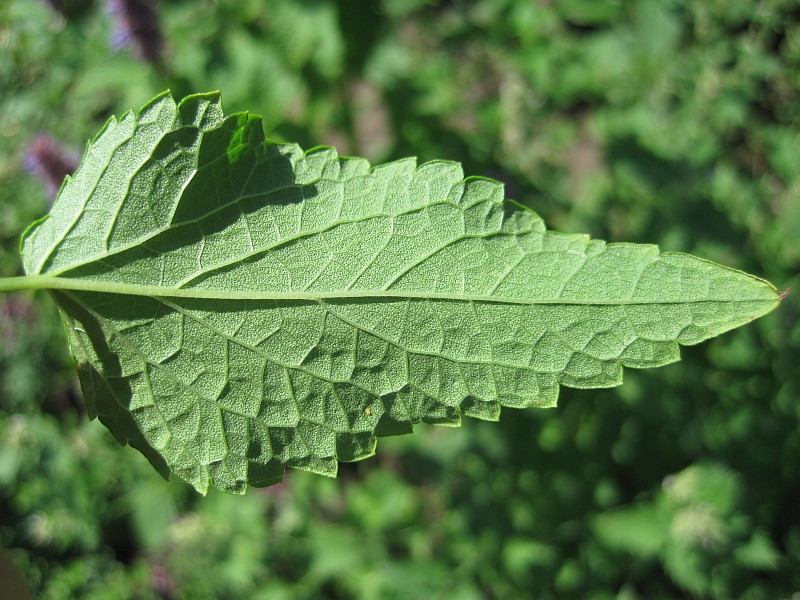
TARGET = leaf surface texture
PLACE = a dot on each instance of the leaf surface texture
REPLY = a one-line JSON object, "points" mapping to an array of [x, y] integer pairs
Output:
{"points": [[237, 306]]}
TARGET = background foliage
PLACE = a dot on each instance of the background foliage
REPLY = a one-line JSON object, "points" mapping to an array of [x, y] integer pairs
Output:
{"points": [[664, 121]]}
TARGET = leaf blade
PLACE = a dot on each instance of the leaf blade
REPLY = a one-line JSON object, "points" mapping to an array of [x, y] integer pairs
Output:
{"points": [[253, 307]]}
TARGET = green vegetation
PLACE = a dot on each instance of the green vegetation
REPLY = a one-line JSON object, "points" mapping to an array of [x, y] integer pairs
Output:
{"points": [[236, 306], [649, 121]]}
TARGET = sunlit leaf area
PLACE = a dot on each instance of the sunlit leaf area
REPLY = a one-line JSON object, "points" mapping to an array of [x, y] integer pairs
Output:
{"points": [[661, 122]]}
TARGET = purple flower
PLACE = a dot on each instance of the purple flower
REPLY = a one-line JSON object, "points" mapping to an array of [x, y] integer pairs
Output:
{"points": [[136, 25], [17, 317], [162, 582], [48, 160]]}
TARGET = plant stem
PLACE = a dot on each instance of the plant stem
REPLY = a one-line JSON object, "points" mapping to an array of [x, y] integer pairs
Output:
{"points": [[26, 282]]}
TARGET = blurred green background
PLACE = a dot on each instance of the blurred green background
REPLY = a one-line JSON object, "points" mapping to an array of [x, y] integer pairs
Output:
{"points": [[674, 122]]}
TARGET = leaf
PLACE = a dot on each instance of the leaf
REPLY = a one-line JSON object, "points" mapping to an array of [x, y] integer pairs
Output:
{"points": [[237, 306]]}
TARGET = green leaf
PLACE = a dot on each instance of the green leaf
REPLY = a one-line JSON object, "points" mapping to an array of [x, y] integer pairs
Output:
{"points": [[236, 306]]}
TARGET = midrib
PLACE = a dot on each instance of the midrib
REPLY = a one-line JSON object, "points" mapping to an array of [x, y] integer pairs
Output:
{"points": [[34, 282]]}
